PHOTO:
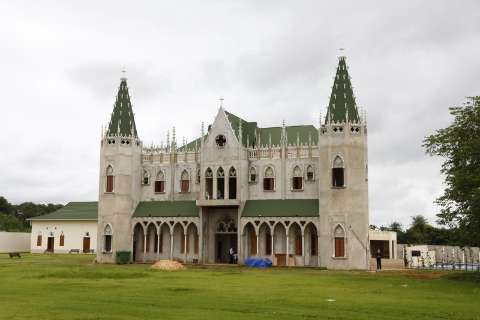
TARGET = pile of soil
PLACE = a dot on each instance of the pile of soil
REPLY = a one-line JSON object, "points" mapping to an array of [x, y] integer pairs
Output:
{"points": [[169, 265]]}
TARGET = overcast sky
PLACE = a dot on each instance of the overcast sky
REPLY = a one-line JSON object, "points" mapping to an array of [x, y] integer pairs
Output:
{"points": [[271, 60]]}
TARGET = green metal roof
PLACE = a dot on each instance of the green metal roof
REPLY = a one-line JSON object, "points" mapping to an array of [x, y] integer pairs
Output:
{"points": [[281, 208], [166, 209], [73, 211], [342, 97], [122, 121]]}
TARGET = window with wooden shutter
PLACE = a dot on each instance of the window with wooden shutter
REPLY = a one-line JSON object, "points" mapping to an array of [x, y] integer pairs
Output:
{"points": [[196, 243], [39, 240], [185, 182], [268, 244], [298, 245], [338, 179], [182, 249], [109, 184], [339, 247], [253, 243], [313, 245], [62, 240]]}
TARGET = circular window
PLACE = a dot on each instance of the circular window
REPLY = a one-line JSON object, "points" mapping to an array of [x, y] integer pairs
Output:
{"points": [[220, 140]]}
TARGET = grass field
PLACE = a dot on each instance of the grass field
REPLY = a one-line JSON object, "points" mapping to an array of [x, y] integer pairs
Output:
{"points": [[72, 287]]}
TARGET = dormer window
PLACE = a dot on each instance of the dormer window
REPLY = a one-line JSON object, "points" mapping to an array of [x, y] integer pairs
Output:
{"points": [[220, 140], [146, 178]]}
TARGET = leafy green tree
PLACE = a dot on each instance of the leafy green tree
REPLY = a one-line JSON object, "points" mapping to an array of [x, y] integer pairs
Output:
{"points": [[459, 144], [11, 223], [5, 206]]}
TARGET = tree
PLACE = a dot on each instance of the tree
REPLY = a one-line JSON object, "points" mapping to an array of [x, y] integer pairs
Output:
{"points": [[459, 144]]}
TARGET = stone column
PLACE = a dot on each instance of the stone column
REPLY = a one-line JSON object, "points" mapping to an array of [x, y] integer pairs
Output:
{"points": [[272, 252], [185, 246], [258, 244], [171, 245], [318, 250], [144, 246], [158, 244], [286, 262], [226, 185], [303, 248]]}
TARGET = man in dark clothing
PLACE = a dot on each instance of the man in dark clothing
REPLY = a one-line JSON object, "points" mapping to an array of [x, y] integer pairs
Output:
{"points": [[379, 260]]}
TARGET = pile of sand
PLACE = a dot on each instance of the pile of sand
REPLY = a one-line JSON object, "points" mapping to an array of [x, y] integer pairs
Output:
{"points": [[168, 265]]}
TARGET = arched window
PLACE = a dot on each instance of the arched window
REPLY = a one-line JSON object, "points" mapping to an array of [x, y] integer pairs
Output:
{"points": [[252, 177], [232, 183], [146, 177], [269, 180], [338, 180], [107, 238], [297, 180], [62, 239], [310, 174], [184, 182], [160, 182], [198, 176], [39, 239], [208, 184], [220, 183], [339, 238], [109, 184]]}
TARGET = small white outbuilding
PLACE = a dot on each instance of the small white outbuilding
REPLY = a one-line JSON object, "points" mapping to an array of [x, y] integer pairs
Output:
{"points": [[73, 228]]}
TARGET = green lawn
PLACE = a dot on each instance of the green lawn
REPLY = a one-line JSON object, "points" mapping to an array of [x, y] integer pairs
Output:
{"points": [[72, 287]]}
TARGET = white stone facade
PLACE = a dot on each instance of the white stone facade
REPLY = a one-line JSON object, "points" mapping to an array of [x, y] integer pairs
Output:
{"points": [[335, 237]]}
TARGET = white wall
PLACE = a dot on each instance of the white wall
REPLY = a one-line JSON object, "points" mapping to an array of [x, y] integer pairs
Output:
{"points": [[14, 241], [74, 232]]}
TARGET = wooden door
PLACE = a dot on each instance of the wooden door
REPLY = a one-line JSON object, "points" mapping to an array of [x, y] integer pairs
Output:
{"points": [[50, 244], [86, 244]]}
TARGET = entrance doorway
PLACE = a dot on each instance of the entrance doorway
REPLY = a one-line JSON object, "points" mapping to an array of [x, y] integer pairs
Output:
{"points": [[225, 239], [50, 244], [86, 244]]}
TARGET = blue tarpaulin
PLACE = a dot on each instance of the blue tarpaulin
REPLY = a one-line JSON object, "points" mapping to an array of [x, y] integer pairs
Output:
{"points": [[258, 262]]}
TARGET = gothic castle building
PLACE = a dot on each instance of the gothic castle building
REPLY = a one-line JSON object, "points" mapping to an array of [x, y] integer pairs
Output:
{"points": [[297, 195]]}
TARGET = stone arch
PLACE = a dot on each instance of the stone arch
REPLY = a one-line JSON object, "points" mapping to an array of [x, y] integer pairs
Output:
{"points": [[109, 179], [338, 172], [185, 181], [145, 177], [138, 242], [297, 178], [269, 178], [220, 175], [252, 174], [208, 184], [232, 183], [339, 241], [280, 243], [107, 238], [265, 240], [165, 241], [178, 241], [193, 241], [311, 244], [295, 239], [151, 245], [249, 236]]}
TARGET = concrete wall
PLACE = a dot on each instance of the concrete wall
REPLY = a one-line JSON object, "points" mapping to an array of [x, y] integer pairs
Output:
{"points": [[14, 241], [73, 231]]}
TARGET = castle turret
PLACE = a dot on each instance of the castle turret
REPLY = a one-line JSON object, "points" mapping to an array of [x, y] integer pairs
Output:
{"points": [[343, 183], [119, 187]]}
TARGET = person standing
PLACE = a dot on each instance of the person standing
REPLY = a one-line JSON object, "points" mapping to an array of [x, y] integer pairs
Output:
{"points": [[231, 252], [379, 260]]}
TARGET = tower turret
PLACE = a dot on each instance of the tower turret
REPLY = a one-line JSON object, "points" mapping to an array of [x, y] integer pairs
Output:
{"points": [[120, 178], [343, 181]]}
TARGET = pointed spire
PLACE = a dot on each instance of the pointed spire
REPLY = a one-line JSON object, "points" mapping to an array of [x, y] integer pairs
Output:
{"points": [[174, 141], [342, 106], [122, 122], [168, 140], [240, 131]]}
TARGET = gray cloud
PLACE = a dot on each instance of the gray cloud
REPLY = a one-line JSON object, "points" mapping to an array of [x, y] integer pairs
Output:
{"points": [[270, 60]]}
